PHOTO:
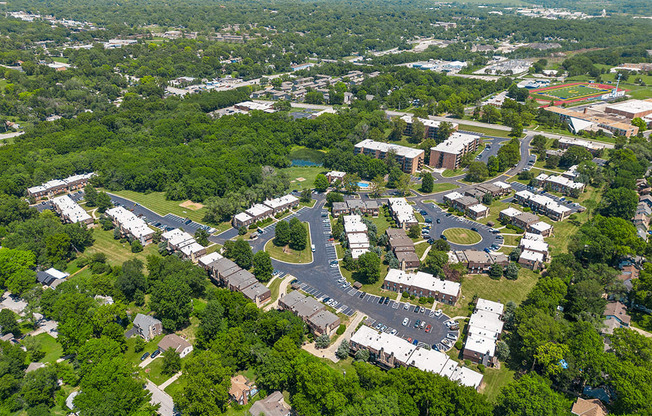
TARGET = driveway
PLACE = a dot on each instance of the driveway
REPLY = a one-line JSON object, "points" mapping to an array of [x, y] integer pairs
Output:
{"points": [[160, 397]]}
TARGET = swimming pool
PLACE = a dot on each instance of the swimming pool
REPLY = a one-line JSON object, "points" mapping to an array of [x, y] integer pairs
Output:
{"points": [[363, 185]]}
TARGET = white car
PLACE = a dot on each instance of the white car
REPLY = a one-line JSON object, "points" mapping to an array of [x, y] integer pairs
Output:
{"points": [[451, 336], [438, 313], [406, 306], [406, 322]]}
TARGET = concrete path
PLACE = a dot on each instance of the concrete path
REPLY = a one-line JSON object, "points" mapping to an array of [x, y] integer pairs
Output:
{"points": [[282, 289], [162, 398], [170, 380], [332, 349], [425, 253], [148, 360]]}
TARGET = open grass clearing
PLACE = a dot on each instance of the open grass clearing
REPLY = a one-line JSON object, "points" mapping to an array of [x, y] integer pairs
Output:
{"points": [[495, 380], [53, 350], [462, 236], [134, 357], [288, 255], [117, 252], [274, 288], [156, 202], [449, 173], [302, 177], [502, 290], [487, 131]]}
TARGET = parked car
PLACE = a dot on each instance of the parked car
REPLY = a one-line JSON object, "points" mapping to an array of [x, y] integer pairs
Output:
{"points": [[438, 221], [447, 342], [393, 332], [381, 300], [443, 237], [406, 306], [474, 229], [428, 328], [155, 353], [423, 324], [409, 340], [417, 323], [415, 342], [423, 212], [438, 313], [144, 356], [406, 322], [428, 220], [362, 295], [386, 300], [452, 337], [416, 309]]}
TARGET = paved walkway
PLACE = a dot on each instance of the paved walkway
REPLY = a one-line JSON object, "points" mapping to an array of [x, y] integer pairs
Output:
{"points": [[282, 289], [170, 380], [425, 253], [332, 349], [162, 398], [640, 331]]}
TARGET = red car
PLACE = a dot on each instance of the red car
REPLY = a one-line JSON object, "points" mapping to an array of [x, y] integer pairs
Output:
{"points": [[409, 340], [428, 328]]}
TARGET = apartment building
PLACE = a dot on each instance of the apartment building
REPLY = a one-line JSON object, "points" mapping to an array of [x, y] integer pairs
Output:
{"points": [[485, 327], [311, 311], [402, 212], [56, 186], [70, 211], [403, 248], [410, 160], [561, 184], [449, 153], [356, 235], [431, 126], [267, 209], [525, 220], [467, 204], [130, 225], [351, 206], [334, 176], [423, 285], [543, 204], [225, 272], [390, 351], [477, 261]]}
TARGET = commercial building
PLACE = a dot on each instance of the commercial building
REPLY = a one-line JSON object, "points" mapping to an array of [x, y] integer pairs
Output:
{"points": [[403, 248], [70, 211], [449, 153], [484, 330], [542, 204], [56, 186], [402, 212], [410, 160], [431, 126], [595, 118], [593, 147], [130, 225], [311, 311], [390, 351], [477, 261], [631, 109], [559, 184], [422, 285]]}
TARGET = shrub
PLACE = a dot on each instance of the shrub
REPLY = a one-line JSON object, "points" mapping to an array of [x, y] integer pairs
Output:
{"points": [[481, 368], [322, 342], [459, 344], [405, 295], [341, 329], [467, 363]]}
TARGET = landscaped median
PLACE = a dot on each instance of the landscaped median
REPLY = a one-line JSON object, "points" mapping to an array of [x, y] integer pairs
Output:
{"points": [[462, 236], [287, 255]]}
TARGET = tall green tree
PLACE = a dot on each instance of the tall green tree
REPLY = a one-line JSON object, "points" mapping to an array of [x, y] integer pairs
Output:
{"points": [[262, 266]]}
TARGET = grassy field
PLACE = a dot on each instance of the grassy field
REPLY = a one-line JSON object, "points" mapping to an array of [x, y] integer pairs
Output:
{"points": [[303, 177], [156, 202], [462, 236], [502, 290], [274, 288], [437, 187], [421, 248], [565, 229], [495, 380], [448, 173], [511, 240], [569, 92], [288, 255], [51, 347], [134, 357], [116, 252], [153, 371], [494, 211], [487, 131]]}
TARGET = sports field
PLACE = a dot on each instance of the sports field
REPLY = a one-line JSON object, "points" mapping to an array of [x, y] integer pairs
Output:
{"points": [[568, 92]]}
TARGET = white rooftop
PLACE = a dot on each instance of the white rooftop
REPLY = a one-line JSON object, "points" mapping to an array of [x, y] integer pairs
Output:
{"points": [[191, 248], [281, 202], [531, 256], [478, 208], [467, 377], [486, 320], [632, 106], [563, 181], [511, 212], [209, 258], [453, 196], [533, 237], [490, 306], [541, 226], [56, 273], [424, 281], [428, 360], [502, 185], [258, 210], [354, 224], [456, 143], [534, 245], [425, 121], [390, 344], [403, 151], [242, 217], [402, 210], [70, 210]]}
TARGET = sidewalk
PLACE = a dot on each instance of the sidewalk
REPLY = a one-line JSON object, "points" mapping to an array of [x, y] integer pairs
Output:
{"points": [[330, 351], [170, 381], [282, 289]]}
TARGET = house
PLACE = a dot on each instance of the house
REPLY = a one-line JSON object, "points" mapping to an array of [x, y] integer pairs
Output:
{"points": [[175, 342], [147, 326], [258, 293], [590, 407], [617, 311], [272, 405], [241, 390], [51, 277]]}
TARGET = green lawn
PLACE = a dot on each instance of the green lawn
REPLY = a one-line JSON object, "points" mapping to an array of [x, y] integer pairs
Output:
{"points": [[494, 211], [487, 131], [448, 173], [563, 230], [274, 288], [502, 290], [133, 356], [51, 347], [381, 222], [156, 202], [462, 236], [302, 177], [116, 252], [175, 386], [437, 187], [495, 380], [511, 240], [288, 255], [421, 248], [154, 371]]}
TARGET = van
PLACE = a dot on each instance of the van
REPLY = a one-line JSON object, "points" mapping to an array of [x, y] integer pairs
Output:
{"points": [[312, 247]]}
